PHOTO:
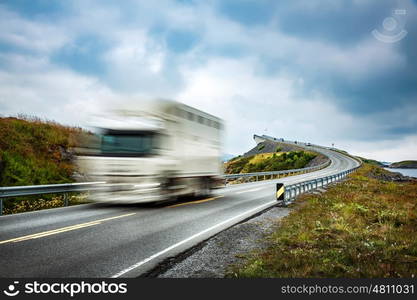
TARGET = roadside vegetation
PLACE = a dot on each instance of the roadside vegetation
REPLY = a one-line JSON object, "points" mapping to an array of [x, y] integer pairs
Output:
{"points": [[33, 152], [362, 227], [372, 162], [269, 162]]}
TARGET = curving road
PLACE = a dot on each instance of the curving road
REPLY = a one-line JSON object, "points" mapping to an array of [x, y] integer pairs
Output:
{"points": [[94, 240]]}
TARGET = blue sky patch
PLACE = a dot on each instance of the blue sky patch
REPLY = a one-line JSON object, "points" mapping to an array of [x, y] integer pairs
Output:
{"points": [[83, 55], [247, 12], [180, 41]]}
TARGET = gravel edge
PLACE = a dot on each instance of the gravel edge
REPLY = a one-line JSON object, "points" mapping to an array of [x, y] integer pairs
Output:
{"points": [[212, 258]]}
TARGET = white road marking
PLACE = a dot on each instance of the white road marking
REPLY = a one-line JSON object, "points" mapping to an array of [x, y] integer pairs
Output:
{"points": [[142, 262], [63, 229]]}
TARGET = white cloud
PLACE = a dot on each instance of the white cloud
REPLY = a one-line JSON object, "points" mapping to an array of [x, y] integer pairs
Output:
{"points": [[30, 35], [50, 92], [138, 63], [251, 104], [385, 150]]}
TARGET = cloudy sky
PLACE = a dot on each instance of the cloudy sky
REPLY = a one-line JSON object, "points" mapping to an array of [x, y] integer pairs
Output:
{"points": [[331, 71]]}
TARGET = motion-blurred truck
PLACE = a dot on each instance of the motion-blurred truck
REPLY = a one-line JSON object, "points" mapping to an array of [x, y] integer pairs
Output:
{"points": [[157, 151]]}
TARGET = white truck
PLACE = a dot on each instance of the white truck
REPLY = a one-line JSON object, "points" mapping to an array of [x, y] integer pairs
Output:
{"points": [[156, 151]]}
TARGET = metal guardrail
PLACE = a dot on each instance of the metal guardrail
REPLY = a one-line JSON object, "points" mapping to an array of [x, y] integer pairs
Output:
{"points": [[277, 173], [283, 172], [17, 191], [294, 190], [291, 191]]}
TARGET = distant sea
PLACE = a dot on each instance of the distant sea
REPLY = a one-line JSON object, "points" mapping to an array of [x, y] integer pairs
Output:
{"points": [[405, 172]]}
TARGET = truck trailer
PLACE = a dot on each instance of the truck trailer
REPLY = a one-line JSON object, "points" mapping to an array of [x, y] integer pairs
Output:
{"points": [[153, 151]]}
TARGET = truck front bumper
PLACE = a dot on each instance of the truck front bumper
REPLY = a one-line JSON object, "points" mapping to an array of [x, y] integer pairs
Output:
{"points": [[128, 193]]}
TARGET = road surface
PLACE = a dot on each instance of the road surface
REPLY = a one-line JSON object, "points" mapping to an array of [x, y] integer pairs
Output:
{"points": [[96, 240]]}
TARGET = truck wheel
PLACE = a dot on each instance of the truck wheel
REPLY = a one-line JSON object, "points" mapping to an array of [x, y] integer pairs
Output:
{"points": [[205, 187]]}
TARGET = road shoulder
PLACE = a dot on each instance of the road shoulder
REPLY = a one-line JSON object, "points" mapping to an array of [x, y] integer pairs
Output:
{"points": [[212, 258]]}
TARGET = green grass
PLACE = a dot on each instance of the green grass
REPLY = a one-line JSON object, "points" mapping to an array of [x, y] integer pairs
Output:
{"points": [[372, 162], [269, 162], [36, 202], [362, 227], [33, 152]]}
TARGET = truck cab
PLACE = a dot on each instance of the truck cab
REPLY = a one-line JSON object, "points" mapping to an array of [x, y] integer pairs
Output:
{"points": [[159, 152]]}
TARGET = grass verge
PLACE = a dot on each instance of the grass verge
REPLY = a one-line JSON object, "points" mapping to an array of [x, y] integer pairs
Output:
{"points": [[360, 228], [36, 202]]}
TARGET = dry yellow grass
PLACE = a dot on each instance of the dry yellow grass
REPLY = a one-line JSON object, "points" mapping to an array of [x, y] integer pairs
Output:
{"points": [[363, 227], [262, 156]]}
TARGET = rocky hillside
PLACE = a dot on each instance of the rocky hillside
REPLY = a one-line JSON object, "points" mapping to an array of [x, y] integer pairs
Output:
{"points": [[265, 162], [278, 147], [406, 164], [33, 151]]}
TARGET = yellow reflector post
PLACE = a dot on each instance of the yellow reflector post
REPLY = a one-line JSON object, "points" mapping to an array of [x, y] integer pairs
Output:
{"points": [[280, 191]]}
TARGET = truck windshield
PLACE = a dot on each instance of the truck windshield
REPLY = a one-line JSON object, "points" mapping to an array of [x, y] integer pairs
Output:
{"points": [[128, 144]]}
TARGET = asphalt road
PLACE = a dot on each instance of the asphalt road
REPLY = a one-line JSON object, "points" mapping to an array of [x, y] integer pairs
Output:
{"points": [[95, 240]]}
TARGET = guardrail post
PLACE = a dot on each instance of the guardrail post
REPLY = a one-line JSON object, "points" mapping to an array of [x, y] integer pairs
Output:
{"points": [[65, 199], [1, 207]]}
